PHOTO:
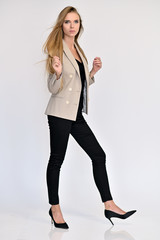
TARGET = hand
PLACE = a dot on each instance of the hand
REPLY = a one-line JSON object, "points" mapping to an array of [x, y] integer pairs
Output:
{"points": [[57, 65], [97, 64]]}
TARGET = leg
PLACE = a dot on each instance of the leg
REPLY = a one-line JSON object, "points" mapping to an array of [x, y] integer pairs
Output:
{"points": [[87, 140], [59, 134]]}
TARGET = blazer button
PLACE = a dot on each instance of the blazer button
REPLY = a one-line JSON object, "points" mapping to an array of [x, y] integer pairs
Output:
{"points": [[67, 102], [70, 75], [70, 89]]}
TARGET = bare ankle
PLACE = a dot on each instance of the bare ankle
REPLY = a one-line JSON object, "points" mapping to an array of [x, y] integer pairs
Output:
{"points": [[108, 204], [55, 207]]}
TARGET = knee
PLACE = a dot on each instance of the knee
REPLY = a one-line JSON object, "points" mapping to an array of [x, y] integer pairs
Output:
{"points": [[55, 161], [99, 159]]}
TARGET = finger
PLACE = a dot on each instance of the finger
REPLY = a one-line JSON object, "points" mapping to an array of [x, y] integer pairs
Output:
{"points": [[56, 59], [56, 62], [55, 56], [99, 63], [97, 58]]}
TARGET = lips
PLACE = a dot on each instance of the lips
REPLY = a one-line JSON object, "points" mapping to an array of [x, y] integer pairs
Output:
{"points": [[72, 31]]}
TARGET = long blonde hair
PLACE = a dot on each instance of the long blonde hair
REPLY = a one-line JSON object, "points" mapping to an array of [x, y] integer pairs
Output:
{"points": [[54, 45]]}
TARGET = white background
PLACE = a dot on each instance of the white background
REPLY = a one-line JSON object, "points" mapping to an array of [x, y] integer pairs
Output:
{"points": [[124, 106]]}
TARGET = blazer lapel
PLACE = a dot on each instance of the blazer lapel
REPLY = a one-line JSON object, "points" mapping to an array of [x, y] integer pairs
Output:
{"points": [[84, 63], [70, 56], [73, 61]]}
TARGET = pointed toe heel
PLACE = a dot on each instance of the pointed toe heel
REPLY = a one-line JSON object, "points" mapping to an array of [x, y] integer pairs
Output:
{"points": [[58, 225], [108, 214]]}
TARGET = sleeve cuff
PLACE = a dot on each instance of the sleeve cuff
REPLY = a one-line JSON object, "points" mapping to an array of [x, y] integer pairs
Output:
{"points": [[54, 84]]}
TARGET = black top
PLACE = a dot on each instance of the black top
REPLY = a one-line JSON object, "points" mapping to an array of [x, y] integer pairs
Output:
{"points": [[82, 74]]}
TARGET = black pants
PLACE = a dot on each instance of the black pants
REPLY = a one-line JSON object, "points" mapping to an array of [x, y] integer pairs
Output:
{"points": [[60, 129]]}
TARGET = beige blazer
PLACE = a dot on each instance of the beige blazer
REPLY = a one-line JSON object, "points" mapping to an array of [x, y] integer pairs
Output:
{"points": [[64, 101]]}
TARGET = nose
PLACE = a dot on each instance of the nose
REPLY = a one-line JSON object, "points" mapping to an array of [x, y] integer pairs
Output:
{"points": [[72, 25]]}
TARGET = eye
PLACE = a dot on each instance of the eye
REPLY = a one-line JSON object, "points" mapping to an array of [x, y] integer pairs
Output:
{"points": [[66, 21], [76, 21]]}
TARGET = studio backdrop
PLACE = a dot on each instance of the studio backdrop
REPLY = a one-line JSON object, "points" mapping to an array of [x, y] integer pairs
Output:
{"points": [[125, 35]]}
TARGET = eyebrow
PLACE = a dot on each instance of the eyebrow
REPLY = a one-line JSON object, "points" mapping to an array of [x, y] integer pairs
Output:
{"points": [[69, 20]]}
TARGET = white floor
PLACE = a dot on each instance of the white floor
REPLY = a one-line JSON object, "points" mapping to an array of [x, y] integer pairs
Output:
{"points": [[36, 225]]}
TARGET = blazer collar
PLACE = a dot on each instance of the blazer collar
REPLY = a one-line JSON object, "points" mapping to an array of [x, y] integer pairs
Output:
{"points": [[71, 57]]}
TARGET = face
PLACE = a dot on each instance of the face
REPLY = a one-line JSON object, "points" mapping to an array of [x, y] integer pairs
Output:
{"points": [[71, 24]]}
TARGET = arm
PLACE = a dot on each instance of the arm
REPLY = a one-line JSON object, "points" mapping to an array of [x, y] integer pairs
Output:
{"points": [[97, 64], [54, 80], [54, 83], [91, 77]]}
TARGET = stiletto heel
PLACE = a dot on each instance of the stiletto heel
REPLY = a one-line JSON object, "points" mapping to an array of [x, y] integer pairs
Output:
{"points": [[108, 214], [111, 221], [58, 225]]}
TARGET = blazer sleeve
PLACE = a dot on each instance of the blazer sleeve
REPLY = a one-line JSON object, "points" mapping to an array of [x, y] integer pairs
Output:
{"points": [[54, 84], [91, 80]]}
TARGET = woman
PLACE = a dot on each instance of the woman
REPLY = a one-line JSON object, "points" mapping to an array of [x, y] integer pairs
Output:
{"points": [[68, 82]]}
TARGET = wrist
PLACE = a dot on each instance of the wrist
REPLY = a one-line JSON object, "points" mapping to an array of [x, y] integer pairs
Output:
{"points": [[92, 73], [58, 75]]}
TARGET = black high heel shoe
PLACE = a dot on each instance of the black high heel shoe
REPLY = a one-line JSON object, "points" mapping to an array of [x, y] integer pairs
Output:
{"points": [[58, 225], [108, 214]]}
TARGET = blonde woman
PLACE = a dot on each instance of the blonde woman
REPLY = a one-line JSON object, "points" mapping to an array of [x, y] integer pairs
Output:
{"points": [[68, 82]]}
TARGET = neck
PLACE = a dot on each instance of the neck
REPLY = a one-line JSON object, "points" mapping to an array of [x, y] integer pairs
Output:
{"points": [[70, 42]]}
